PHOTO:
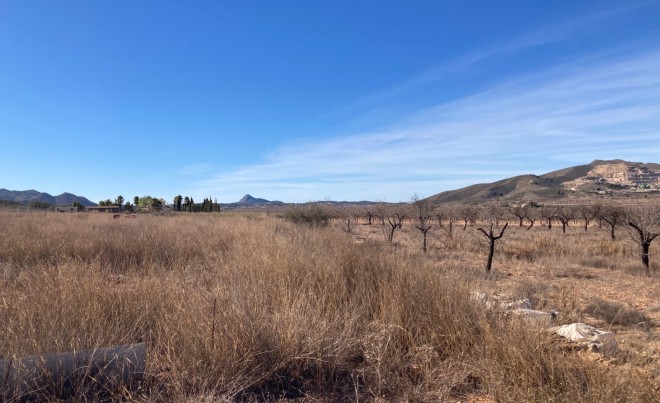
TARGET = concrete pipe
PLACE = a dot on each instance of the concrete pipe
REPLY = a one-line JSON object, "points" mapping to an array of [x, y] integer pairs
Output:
{"points": [[89, 373]]}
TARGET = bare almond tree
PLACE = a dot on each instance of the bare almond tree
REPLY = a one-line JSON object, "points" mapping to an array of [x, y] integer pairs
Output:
{"points": [[440, 215], [613, 216], [644, 225], [520, 212], [346, 215], [588, 213], [565, 215], [448, 213], [491, 229], [531, 216], [391, 219], [548, 213], [497, 213], [469, 215], [423, 212], [379, 212], [370, 217]]}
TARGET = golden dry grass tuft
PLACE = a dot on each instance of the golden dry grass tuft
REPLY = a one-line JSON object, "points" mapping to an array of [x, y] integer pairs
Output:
{"points": [[253, 308]]}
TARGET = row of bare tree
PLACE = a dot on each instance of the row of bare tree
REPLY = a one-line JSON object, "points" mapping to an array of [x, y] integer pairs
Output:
{"points": [[642, 223]]}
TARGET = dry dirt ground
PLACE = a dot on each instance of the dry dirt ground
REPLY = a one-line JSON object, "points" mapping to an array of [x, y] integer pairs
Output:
{"points": [[564, 272], [574, 288]]}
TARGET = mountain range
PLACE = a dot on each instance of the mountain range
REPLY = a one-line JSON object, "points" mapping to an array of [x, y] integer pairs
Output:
{"points": [[598, 179], [30, 196]]}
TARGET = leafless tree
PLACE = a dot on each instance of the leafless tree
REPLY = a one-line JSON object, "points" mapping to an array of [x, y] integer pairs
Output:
{"points": [[564, 215], [448, 213], [469, 215], [356, 213], [644, 225], [497, 213], [370, 216], [423, 212], [401, 216], [379, 212], [440, 215], [519, 212], [588, 213], [491, 229], [531, 216], [346, 215], [548, 213], [392, 217], [613, 216]]}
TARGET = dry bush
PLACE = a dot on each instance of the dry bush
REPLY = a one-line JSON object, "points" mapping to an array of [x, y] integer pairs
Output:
{"points": [[299, 312], [310, 213], [575, 272], [533, 245], [615, 313]]}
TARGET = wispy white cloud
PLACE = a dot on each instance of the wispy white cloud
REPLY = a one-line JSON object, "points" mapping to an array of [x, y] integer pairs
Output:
{"points": [[543, 36], [571, 114], [567, 115]]}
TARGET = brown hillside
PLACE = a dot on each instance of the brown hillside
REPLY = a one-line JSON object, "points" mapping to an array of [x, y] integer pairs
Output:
{"points": [[598, 179]]}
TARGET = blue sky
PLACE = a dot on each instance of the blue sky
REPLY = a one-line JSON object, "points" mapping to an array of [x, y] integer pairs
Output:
{"points": [[313, 100]]}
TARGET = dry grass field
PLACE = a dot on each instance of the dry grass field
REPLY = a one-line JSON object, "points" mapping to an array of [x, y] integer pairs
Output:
{"points": [[323, 314]]}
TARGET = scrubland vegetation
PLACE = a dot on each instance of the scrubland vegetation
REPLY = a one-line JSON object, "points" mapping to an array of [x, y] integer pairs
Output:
{"points": [[250, 307]]}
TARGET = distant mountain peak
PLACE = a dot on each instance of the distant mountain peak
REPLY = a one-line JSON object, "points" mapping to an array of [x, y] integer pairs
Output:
{"points": [[249, 199]]}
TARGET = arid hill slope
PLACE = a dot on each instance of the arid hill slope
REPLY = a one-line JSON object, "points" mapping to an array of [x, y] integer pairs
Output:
{"points": [[598, 179]]}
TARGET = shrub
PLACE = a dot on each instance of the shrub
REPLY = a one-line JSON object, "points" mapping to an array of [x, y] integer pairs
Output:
{"points": [[615, 313], [312, 214]]}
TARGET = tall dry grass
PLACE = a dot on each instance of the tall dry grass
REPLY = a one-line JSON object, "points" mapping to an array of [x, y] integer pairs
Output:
{"points": [[253, 308]]}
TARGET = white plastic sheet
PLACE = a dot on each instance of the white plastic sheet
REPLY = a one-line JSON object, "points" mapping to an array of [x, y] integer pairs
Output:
{"points": [[589, 336]]}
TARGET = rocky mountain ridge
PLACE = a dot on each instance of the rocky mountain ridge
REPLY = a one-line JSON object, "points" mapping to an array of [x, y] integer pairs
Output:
{"points": [[600, 178]]}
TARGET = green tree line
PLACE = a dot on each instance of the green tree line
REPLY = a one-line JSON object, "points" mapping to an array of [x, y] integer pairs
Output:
{"points": [[187, 204], [180, 203]]}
